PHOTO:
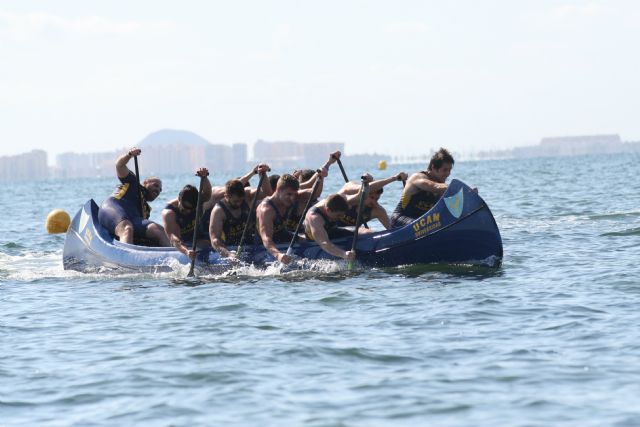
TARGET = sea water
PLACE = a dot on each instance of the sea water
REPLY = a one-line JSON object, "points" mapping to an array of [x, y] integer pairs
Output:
{"points": [[550, 338]]}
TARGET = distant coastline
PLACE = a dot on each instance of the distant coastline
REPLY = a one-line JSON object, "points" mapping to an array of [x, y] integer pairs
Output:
{"points": [[171, 151]]}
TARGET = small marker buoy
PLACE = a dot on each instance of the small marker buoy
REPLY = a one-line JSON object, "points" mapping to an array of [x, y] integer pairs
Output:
{"points": [[382, 165], [58, 221]]}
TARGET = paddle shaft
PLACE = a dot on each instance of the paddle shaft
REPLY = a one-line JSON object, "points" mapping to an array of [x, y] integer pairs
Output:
{"points": [[344, 174], [196, 226], [254, 202], [304, 213], [364, 189], [346, 179], [140, 203]]}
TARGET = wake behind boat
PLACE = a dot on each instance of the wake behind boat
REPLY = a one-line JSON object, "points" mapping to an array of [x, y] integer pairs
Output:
{"points": [[459, 229]]}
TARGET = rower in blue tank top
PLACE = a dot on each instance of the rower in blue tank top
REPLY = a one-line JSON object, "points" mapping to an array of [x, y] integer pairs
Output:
{"points": [[423, 190], [125, 214]]}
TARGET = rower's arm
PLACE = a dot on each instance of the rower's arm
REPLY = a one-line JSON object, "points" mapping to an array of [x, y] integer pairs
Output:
{"points": [[173, 230], [377, 185], [207, 191], [266, 217], [121, 164], [266, 189], [316, 226], [381, 215], [247, 177], [308, 183], [215, 230], [425, 184]]}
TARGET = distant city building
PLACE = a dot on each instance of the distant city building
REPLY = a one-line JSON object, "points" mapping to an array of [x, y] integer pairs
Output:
{"points": [[290, 154], [176, 152], [85, 165], [31, 166]]}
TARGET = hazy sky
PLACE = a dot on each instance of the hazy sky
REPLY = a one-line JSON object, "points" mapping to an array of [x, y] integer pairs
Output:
{"points": [[396, 77]]}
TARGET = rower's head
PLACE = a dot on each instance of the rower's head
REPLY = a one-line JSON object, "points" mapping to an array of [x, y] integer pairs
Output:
{"points": [[234, 193], [440, 165], [273, 181], [336, 206], [153, 186], [287, 189], [372, 198], [306, 174], [187, 199]]}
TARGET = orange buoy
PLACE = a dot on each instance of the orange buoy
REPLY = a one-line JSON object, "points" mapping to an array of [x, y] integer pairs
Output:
{"points": [[58, 221]]}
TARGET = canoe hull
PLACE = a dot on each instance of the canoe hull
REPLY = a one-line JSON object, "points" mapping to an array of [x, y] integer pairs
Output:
{"points": [[459, 229]]}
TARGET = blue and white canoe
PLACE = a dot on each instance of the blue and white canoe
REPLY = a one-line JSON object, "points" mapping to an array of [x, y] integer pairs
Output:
{"points": [[459, 229]]}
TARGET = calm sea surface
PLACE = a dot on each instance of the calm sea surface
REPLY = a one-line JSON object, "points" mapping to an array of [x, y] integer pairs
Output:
{"points": [[550, 338]]}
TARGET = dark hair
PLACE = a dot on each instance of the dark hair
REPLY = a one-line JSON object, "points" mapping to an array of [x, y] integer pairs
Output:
{"points": [[234, 187], [380, 191], [273, 180], [306, 174], [440, 157], [288, 181], [337, 203], [188, 194]]}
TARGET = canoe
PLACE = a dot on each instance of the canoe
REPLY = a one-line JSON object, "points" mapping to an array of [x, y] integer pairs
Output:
{"points": [[459, 229]]}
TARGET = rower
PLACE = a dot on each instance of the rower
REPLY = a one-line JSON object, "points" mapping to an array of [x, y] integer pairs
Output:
{"points": [[423, 189], [179, 216], [307, 179], [320, 224], [126, 213], [272, 214], [217, 192], [230, 215], [372, 208]]}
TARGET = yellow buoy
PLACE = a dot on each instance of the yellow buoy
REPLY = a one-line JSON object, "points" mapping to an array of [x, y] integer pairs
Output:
{"points": [[58, 221], [382, 165]]}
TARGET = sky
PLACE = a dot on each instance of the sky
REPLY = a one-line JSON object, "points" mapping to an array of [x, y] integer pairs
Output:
{"points": [[395, 77]]}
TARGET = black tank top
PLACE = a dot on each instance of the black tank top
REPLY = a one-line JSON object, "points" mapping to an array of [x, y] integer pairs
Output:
{"points": [[328, 224], [351, 216], [233, 227], [417, 204], [186, 222], [280, 232]]}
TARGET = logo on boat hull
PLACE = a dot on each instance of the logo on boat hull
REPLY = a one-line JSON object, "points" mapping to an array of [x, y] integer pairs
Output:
{"points": [[426, 224], [455, 203]]}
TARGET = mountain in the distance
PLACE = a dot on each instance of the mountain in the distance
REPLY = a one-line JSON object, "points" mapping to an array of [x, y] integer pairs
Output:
{"points": [[172, 136]]}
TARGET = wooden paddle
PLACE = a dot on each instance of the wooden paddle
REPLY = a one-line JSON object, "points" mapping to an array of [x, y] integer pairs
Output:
{"points": [[304, 213], [364, 190], [196, 226], [251, 210]]}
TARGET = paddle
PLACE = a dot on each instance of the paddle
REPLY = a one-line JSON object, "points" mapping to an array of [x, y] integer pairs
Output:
{"points": [[251, 210], [304, 213], [196, 226], [364, 189], [344, 175], [140, 203]]}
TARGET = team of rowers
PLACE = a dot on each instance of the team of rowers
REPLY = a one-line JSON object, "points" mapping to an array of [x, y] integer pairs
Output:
{"points": [[282, 201]]}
